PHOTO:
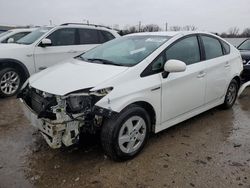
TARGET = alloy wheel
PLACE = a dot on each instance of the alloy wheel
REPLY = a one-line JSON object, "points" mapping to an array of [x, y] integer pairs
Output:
{"points": [[10, 82], [132, 134]]}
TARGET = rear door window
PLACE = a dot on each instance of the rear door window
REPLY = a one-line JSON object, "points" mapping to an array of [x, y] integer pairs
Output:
{"points": [[89, 36], [212, 47]]}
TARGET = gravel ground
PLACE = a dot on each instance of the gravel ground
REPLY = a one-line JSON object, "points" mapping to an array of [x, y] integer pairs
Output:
{"points": [[209, 150]]}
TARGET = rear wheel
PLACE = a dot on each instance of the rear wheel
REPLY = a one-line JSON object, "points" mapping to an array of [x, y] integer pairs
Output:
{"points": [[231, 94], [125, 135], [10, 82]]}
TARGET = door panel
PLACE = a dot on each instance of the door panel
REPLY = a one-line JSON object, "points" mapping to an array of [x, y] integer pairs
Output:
{"points": [[217, 69], [48, 56], [183, 92], [217, 78]]}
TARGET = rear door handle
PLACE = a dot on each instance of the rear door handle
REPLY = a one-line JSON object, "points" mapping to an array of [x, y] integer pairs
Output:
{"points": [[201, 74], [227, 64], [72, 51], [42, 68]]}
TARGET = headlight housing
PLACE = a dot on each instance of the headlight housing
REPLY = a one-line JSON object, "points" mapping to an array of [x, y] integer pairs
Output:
{"points": [[78, 104], [84, 101], [102, 92]]}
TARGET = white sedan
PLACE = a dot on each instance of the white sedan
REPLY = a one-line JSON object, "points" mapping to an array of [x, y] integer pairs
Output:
{"points": [[132, 86]]}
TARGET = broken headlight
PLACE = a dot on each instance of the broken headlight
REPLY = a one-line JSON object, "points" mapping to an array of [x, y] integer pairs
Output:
{"points": [[78, 104], [102, 92], [83, 102]]}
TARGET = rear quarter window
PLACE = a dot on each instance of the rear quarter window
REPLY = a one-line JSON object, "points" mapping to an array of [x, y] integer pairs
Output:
{"points": [[226, 48]]}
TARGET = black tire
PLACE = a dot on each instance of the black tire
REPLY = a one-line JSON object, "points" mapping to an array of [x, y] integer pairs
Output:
{"points": [[3, 91], [230, 97], [111, 130]]}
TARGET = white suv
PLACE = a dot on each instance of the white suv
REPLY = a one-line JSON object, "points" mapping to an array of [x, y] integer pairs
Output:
{"points": [[131, 86], [45, 47]]}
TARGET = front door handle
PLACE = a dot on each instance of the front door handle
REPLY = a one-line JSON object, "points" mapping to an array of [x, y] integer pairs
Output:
{"points": [[42, 68], [201, 74]]}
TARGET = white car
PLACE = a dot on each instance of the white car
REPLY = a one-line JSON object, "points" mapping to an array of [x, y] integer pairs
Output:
{"points": [[45, 47], [132, 86], [13, 35]]}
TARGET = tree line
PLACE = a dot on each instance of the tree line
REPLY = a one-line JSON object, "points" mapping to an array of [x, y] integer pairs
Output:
{"points": [[233, 32]]}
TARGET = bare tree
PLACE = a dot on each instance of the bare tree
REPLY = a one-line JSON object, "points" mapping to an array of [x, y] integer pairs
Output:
{"points": [[233, 31], [151, 28], [189, 28], [246, 32], [175, 28]]}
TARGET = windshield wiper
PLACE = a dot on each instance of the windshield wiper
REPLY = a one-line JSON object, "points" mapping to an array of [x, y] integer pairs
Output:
{"points": [[104, 61]]}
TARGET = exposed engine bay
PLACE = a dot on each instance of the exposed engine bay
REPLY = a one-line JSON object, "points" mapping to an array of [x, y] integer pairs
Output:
{"points": [[61, 119]]}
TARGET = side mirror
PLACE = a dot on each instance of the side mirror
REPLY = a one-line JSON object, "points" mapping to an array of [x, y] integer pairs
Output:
{"points": [[10, 40], [173, 65], [45, 42]]}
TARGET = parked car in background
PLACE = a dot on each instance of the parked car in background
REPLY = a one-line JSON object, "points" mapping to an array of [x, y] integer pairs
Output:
{"points": [[45, 47], [13, 35], [132, 86], [244, 48]]}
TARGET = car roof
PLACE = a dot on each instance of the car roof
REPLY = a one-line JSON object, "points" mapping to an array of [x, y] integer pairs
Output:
{"points": [[90, 26], [170, 33]]}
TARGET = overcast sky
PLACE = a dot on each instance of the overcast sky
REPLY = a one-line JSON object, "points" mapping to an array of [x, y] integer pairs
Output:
{"points": [[209, 15]]}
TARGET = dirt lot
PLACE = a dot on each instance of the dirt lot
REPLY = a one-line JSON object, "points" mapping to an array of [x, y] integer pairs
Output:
{"points": [[210, 150]]}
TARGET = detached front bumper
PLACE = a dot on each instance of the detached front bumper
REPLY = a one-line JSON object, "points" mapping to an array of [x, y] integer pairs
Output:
{"points": [[55, 132]]}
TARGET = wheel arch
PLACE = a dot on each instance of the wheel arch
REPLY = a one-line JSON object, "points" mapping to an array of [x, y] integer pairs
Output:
{"points": [[237, 78], [13, 63], [150, 110]]}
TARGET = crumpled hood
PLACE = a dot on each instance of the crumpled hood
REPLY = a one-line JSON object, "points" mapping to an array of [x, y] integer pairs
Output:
{"points": [[73, 75]]}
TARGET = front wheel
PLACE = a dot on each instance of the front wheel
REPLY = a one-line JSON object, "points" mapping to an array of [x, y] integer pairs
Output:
{"points": [[124, 135], [231, 94], [10, 82]]}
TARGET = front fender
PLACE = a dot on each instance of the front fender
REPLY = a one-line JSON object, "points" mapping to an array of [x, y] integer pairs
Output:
{"points": [[118, 104]]}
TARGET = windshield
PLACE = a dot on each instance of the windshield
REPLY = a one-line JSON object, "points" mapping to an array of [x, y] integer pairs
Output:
{"points": [[5, 33], [33, 36], [245, 45], [125, 51]]}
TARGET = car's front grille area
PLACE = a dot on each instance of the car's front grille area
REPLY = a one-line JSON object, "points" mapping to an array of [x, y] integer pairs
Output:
{"points": [[38, 103], [41, 105]]}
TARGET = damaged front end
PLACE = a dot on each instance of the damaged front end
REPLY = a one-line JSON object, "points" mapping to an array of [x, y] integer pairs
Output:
{"points": [[61, 119]]}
